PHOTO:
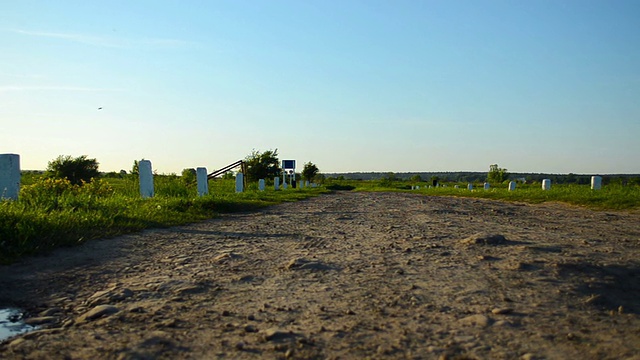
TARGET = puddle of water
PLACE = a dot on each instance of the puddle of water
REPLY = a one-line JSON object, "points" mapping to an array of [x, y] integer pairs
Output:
{"points": [[12, 324]]}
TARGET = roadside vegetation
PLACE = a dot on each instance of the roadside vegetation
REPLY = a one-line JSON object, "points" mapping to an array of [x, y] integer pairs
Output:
{"points": [[617, 193], [610, 197], [54, 211]]}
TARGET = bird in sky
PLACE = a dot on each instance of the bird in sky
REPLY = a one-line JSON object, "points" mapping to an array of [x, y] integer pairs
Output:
{"points": [[99, 108]]}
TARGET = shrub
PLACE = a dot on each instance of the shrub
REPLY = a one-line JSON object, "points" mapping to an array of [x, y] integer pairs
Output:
{"points": [[497, 175], [310, 171], [76, 170], [262, 165]]}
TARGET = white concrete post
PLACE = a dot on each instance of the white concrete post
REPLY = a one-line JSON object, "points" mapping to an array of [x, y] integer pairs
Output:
{"points": [[596, 182], [301, 184], [456, 186], [512, 185], [486, 186], [203, 182], [9, 176], [306, 183], [276, 183], [284, 186], [146, 179], [239, 182], [546, 184], [261, 184], [470, 186]]}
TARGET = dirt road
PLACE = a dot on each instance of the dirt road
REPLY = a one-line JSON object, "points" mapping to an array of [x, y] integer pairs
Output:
{"points": [[344, 276]]}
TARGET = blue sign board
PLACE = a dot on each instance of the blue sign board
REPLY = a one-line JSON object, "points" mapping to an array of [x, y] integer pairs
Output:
{"points": [[288, 164]]}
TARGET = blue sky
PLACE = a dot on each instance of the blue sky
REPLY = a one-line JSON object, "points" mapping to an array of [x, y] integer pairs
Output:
{"points": [[534, 86]]}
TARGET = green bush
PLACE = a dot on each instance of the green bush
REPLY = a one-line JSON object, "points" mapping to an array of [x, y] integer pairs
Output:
{"points": [[497, 175], [263, 165], [310, 171], [77, 170]]}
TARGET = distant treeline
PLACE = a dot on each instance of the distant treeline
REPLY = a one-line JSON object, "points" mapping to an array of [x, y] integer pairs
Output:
{"points": [[443, 177], [474, 177]]}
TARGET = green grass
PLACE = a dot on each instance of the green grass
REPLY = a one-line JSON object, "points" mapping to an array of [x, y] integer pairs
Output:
{"points": [[614, 197], [610, 197], [54, 213]]}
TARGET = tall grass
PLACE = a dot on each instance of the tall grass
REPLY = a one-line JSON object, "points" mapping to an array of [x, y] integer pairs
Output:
{"points": [[52, 213]]}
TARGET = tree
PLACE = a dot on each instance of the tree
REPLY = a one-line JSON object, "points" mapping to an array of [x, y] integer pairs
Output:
{"points": [[388, 179], [416, 178], [263, 165], [390, 176], [76, 170], [310, 171], [497, 175]]}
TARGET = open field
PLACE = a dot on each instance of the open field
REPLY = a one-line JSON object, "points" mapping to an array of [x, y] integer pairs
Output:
{"points": [[350, 275], [610, 197]]}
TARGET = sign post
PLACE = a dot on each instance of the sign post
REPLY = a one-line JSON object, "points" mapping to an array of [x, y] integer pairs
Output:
{"points": [[289, 165]]}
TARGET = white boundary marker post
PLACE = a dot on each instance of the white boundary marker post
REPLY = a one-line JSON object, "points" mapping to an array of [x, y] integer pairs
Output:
{"points": [[486, 186], [203, 181], [276, 183], [9, 176], [546, 184], [146, 179], [261, 184], [239, 182], [596, 182], [470, 186], [512, 185]]}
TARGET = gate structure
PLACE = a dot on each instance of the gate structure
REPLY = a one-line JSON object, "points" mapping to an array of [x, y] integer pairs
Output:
{"points": [[222, 171]]}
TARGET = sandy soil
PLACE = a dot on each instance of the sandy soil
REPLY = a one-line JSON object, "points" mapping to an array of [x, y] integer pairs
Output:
{"points": [[344, 276]]}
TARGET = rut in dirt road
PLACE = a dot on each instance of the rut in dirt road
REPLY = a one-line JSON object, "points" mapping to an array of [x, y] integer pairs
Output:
{"points": [[349, 276]]}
